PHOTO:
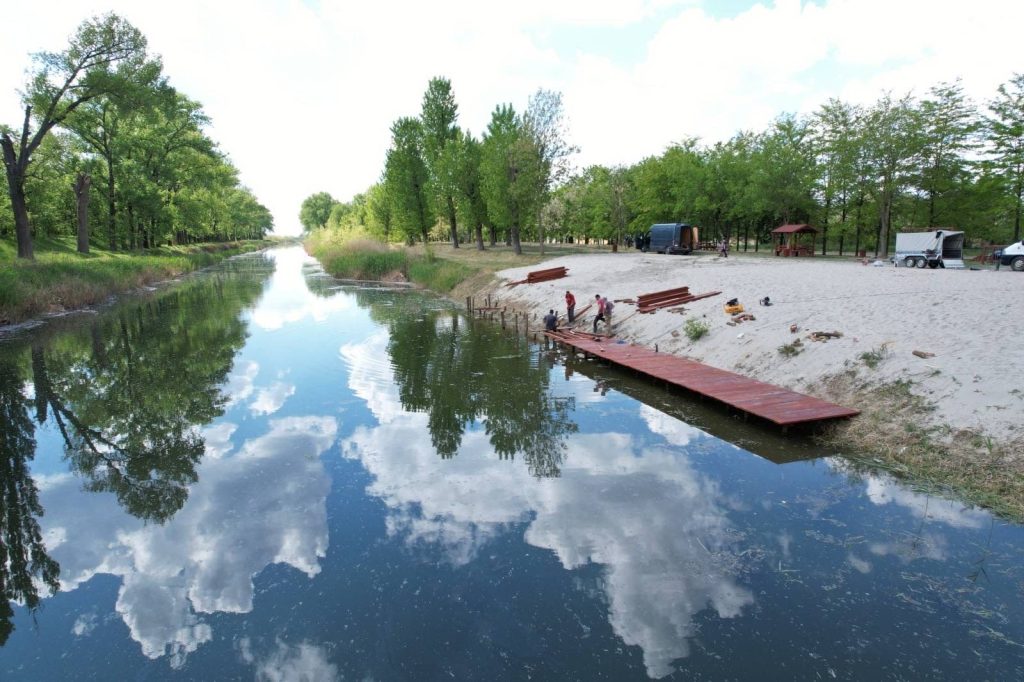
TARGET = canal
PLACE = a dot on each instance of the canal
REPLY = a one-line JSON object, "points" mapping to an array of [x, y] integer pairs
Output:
{"points": [[263, 473]]}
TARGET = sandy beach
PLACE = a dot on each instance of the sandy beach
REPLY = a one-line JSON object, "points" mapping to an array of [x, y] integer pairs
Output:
{"points": [[969, 320]]}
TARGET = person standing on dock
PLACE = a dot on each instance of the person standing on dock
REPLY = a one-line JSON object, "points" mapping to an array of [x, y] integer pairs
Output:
{"points": [[570, 307], [600, 310], [608, 305], [551, 321]]}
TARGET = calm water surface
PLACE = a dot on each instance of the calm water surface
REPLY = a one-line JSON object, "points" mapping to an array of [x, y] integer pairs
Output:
{"points": [[261, 473]]}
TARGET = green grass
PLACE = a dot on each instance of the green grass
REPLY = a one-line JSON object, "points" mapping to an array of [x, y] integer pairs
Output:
{"points": [[356, 256], [62, 279], [439, 275], [873, 358], [791, 349]]}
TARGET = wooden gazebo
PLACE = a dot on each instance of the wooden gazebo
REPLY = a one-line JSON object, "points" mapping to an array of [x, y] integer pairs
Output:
{"points": [[791, 240]]}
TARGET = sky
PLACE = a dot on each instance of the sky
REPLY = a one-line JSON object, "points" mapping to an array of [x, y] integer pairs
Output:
{"points": [[302, 94]]}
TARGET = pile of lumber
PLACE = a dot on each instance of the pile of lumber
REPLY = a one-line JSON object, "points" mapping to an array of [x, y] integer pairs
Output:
{"points": [[648, 303], [541, 276]]}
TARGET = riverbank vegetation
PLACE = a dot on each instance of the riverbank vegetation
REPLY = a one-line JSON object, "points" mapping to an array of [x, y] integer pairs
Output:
{"points": [[106, 141], [893, 433], [859, 173], [60, 279]]}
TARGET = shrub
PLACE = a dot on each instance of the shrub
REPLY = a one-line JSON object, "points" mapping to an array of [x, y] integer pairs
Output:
{"points": [[695, 329]]}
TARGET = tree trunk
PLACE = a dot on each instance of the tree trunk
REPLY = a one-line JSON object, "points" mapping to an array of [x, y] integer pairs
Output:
{"points": [[82, 183], [514, 239], [1016, 216], [40, 381], [883, 228], [494, 235], [16, 190], [111, 209], [479, 236], [451, 222]]}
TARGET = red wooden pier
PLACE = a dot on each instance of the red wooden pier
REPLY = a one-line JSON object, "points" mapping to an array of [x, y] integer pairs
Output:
{"points": [[776, 404]]}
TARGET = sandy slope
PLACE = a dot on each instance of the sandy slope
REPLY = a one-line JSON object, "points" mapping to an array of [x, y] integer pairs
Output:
{"points": [[971, 320]]}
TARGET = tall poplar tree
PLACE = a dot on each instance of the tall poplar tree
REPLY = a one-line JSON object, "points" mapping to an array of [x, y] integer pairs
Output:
{"points": [[406, 179], [439, 116]]}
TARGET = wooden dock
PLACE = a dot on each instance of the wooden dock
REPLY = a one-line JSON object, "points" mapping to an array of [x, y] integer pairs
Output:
{"points": [[774, 403]]}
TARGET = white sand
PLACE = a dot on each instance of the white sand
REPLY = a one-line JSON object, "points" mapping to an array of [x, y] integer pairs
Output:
{"points": [[971, 320]]}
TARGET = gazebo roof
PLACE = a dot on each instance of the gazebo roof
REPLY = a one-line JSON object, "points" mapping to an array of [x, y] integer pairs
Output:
{"points": [[790, 229]]}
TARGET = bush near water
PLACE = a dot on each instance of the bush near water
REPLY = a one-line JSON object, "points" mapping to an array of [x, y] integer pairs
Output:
{"points": [[353, 254]]}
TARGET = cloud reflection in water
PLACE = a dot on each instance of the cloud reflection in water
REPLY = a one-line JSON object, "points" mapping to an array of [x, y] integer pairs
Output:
{"points": [[265, 504], [656, 525]]}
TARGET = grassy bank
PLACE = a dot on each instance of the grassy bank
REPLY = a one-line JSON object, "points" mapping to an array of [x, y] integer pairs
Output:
{"points": [[437, 267], [61, 279], [893, 433]]}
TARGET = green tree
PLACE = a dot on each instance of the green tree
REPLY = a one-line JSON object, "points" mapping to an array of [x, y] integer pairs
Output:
{"points": [[473, 206], [1006, 144], [545, 123], [316, 210], [439, 116], [949, 127], [834, 144], [511, 167], [893, 144], [406, 180], [103, 56], [379, 211]]}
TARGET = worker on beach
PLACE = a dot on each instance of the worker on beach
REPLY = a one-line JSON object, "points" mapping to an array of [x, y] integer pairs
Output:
{"points": [[600, 310], [570, 306], [551, 321]]}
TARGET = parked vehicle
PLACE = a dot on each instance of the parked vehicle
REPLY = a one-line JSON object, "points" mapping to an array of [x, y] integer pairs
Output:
{"points": [[672, 238], [933, 249], [1012, 255]]}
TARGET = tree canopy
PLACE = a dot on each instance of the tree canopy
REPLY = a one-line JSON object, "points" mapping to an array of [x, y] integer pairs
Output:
{"points": [[103, 108]]}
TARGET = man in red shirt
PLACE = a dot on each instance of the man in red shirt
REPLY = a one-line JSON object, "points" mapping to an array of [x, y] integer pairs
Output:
{"points": [[570, 305]]}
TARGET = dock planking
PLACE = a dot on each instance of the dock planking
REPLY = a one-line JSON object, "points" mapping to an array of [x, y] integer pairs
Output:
{"points": [[767, 401]]}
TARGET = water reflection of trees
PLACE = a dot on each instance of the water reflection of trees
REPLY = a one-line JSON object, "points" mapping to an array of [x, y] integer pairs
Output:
{"points": [[23, 556], [458, 372], [127, 394]]}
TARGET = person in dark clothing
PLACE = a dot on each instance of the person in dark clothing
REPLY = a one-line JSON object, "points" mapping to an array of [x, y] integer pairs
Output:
{"points": [[551, 321]]}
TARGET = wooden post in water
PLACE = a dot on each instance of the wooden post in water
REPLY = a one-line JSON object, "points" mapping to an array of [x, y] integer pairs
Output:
{"points": [[502, 318], [469, 305]]}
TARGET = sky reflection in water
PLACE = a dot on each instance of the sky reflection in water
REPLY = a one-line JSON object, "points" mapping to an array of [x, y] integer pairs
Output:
{"points": [[389, 491]]}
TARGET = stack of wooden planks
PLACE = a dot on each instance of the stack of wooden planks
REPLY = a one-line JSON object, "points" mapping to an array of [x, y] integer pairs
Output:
{"points": [[541, 276], [648, 303]]}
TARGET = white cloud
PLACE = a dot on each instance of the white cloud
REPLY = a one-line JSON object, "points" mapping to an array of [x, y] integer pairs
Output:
{"points": [[240, 384], [270, 400], [286, 663], [659, 529], [302, 95], [204, 559]]}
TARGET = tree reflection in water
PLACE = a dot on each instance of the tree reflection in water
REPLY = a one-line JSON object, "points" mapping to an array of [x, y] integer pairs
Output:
{"points": [[458, 372], [127, 395], [23, 556]]}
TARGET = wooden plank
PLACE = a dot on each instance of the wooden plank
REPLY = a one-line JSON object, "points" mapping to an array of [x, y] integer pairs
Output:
{"points": [[767, 401]]}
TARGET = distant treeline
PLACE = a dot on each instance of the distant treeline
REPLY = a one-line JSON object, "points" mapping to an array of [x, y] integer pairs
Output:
{"points": [[109, 150], [858, 174]]}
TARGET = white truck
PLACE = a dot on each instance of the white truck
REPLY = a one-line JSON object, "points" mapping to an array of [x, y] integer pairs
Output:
{"points": [[1012, 255], [932, 249]]}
